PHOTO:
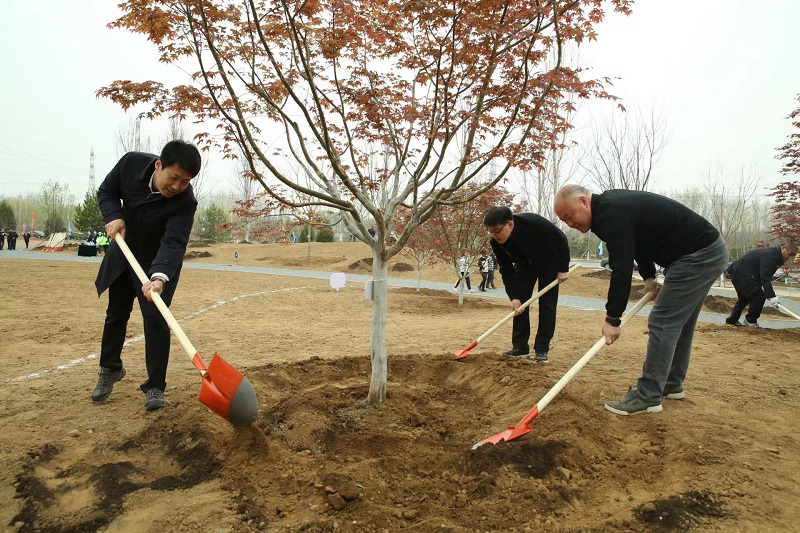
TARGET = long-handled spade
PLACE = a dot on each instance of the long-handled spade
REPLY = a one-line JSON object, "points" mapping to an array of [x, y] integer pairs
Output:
{"points": [[223, 389], [523, 426], [785, 310], [465, 352]]}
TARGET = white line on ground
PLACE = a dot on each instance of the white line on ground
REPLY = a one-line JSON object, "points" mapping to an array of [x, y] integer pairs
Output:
{"points": [[138, 338]]}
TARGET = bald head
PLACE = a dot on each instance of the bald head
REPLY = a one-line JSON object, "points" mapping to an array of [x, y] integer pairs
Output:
{"points": [[573, 205]]}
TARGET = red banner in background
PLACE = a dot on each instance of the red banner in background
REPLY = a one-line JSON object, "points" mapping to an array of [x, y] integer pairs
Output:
{"points": [[33, 221]]}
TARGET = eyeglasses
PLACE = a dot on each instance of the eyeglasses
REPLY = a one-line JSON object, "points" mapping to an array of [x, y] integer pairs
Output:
{"points": [[496, 232]]}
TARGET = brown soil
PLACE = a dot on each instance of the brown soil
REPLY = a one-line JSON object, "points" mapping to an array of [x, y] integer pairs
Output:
{"points": [[725, 459]]}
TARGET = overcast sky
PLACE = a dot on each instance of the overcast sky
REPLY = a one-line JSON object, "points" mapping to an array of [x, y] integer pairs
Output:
{"points": [[724, 72]]}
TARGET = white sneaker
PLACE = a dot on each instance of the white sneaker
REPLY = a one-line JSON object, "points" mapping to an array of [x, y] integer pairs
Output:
{"points": [[471, 290]]}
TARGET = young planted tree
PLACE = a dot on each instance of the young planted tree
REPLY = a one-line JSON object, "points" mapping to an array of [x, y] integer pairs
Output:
{"points": [[384, 103], [786, 212]]}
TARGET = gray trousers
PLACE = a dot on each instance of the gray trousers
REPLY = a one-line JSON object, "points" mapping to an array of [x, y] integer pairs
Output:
{"points": [[673, 318]]}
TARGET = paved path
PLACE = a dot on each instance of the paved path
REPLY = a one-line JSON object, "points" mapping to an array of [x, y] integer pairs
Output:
{"points": [[576, 302]]}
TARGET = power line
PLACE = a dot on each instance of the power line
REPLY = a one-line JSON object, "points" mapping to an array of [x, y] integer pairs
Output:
{"points": [[19, 154]]}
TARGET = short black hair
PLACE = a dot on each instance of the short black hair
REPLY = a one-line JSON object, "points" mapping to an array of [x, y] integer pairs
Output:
{"points": [[497, 215], [185, 155]]}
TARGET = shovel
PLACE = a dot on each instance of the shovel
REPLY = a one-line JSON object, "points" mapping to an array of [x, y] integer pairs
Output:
{"points": [[785, 310], [223, 389], [465, 352], [523, 426]]}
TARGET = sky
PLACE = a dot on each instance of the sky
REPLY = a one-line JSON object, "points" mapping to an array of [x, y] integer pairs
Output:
{"points": [[724, 73]]}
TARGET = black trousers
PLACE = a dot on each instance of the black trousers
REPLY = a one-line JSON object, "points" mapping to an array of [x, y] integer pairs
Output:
{"points": [[528, 276], [748, 294], [121, 294]]}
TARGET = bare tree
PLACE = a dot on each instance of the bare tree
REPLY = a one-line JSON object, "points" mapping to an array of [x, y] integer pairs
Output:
{"points": [[624, 150], [730, 199]]}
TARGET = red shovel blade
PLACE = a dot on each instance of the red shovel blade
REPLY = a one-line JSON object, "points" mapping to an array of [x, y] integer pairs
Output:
{"points": [[228, 393], [465, 352], [513, 432]]}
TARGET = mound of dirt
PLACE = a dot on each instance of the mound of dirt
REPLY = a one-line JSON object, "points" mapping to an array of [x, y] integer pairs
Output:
{"points": [[402, 267], [599, 274], [364, 264], [318, 457], [195, 254]]}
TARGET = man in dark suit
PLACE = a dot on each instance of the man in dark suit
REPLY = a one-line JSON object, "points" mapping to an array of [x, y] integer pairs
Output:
{"points": [[529, 248], [149, 200], [751, 276]]}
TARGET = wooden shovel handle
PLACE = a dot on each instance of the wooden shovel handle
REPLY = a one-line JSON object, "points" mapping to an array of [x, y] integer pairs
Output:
{"points": [[165, 312]]}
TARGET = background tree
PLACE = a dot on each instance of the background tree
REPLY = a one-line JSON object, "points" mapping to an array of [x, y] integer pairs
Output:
{"points": [[458, 229], [729, 199], [624, 149], [211, 224], [786, 212], [420, 246], [383, 102], [87, 215], [7, 218], [55, 200], [789, 153]]}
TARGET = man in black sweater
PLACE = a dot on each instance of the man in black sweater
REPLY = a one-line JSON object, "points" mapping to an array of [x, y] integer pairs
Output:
{"points": [[149, 200], [648, 228], [529, 248], [751, 275]]}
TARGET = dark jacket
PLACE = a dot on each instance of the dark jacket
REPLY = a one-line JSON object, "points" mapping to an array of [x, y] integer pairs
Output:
{"points": [[156, 228], [647, 228], [534, 242], [754, 270]]}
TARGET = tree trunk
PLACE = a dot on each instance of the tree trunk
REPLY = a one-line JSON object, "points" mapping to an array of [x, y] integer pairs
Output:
{"points": [[419, 277], [308, 238], [377, 341]]}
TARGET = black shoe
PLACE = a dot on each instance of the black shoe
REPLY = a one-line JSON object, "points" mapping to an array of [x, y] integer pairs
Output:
{"points": [[518, 352], [541, 357], [154, 399], [674, 393], [105, 383]]}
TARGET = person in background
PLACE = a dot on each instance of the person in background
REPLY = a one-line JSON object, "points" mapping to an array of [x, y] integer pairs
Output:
{"points": [[12, 239], [484, 270], [2, 238], [26, 236], [491, 263], [102, 243], [148, 199], [529, 249], [751, 276], [463, 273], [649, 228]]}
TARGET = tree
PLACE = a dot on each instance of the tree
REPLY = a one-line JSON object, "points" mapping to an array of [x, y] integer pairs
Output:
{"points": [[7, 218], [458, 229], [730, 199], [624, 150], [789, 153], [55, 200], [786, 212], [383, 103], [212, 220], [420, 246], [87, 215]]}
